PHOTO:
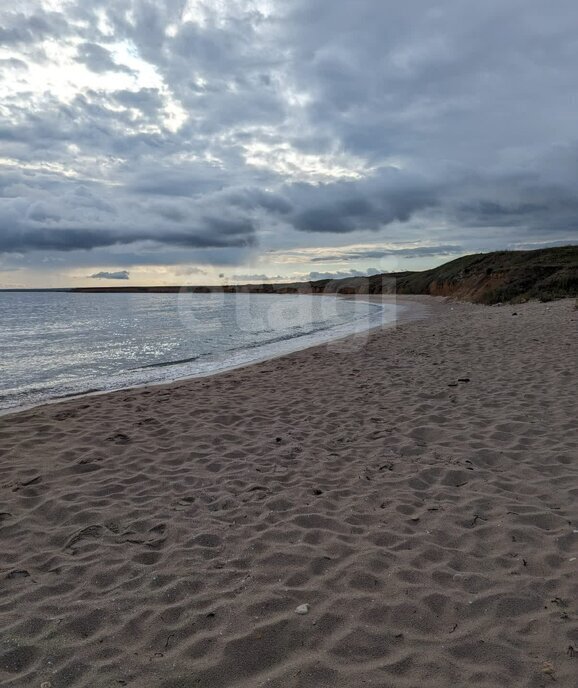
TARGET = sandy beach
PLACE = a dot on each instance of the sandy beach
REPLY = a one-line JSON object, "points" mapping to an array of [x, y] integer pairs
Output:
{"points": [[414, 497]]}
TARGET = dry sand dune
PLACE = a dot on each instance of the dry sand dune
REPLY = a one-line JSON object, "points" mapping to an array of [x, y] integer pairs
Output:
{"points": [[419, 493]]}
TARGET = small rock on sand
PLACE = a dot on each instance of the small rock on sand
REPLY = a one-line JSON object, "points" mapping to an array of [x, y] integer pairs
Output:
{"points": [[302, 609]]}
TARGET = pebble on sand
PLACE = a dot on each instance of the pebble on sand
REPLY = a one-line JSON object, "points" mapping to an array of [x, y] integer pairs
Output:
{"points": [[302, 609]]}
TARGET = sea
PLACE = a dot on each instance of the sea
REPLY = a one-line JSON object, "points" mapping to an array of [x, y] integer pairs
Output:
{"points": [[61, 344]]}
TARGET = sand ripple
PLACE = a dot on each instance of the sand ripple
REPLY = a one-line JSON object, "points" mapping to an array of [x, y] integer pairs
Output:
{"points": [[164, 537]]}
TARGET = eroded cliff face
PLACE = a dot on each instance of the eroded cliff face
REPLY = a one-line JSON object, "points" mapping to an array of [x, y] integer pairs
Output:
{"points": [[517, 284], [506, 276], [471, 288]]}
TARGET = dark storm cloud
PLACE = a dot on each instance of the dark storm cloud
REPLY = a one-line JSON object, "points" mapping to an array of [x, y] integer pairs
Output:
{"points": [[213, 233], [47, 239], [37, 214], [369, 204], [286, 123], [120, 275]]}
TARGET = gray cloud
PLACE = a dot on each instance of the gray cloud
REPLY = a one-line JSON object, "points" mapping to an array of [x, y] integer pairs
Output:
{"points": [[419, 252], [45, 214], [339, 274], [186, 181], [120, 275], [449, 129], [262, 277], [216, 233], [148, 100], [21, 28], [386, 196], [98, 59], [256, 277], [13, 63], [189, 270]]}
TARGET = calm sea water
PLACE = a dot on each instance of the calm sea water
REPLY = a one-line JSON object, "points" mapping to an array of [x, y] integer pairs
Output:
{"points": [[54, 344]]}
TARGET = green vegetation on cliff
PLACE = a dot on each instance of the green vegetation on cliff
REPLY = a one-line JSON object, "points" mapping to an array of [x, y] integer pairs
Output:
{"points": [[501, 276]]}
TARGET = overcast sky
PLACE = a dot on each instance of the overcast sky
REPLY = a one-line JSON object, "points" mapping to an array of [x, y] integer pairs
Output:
{"points": [[182, 141]]}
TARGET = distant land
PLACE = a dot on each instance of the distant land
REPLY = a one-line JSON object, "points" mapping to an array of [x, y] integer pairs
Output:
{"points": [[497, 277]]}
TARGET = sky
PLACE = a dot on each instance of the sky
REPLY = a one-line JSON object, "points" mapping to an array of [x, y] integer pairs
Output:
{"points": [[191, 142]]}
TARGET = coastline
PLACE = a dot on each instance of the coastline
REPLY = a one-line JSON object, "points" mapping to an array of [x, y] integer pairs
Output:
{"points": [[410, 308], [417, 492]]}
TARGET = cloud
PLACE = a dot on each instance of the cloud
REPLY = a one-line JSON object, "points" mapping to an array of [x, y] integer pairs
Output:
{"points": [[217, 132], [212, 233], [120, 275], [13, 63], [417, 252], [299, 277], [340, 274], [189, 270], [256, 277], [44, 213], [98, 59], [386, 196], [145, 99], [17, 28]]}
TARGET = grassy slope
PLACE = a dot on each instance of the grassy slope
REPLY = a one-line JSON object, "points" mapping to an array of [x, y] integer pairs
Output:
{"points": [[484, 277]]}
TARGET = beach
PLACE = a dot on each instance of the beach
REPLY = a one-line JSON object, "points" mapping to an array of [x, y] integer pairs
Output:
{"points": [[398, 510]]}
